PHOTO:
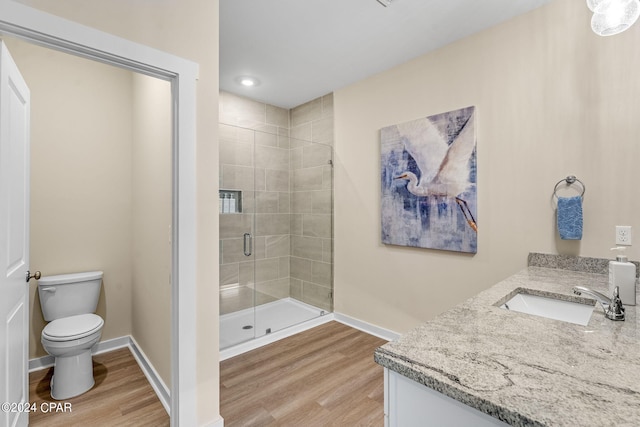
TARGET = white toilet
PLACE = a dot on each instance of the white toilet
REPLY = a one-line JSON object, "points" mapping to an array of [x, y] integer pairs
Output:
{"points": [[68, 302]]}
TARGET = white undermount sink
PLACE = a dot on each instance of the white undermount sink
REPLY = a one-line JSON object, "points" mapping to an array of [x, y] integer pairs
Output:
{"points": [[552, 308]]}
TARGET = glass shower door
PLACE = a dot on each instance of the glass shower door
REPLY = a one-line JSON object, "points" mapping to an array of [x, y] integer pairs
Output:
{"points": [[276, 232], [294, 228], [237, 246]]}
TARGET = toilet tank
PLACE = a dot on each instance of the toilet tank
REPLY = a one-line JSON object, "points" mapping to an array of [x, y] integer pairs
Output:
{"points": [[66, 295]]}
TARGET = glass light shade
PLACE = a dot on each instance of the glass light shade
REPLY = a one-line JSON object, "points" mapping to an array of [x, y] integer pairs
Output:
{"points": [[619, 16]]}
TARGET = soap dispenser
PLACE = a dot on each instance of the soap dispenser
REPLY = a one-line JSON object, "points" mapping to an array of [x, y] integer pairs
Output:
{"points": [[622, 274]]}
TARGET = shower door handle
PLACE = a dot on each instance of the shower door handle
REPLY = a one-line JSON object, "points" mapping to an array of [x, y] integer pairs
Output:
{"points": [[248, 244]]}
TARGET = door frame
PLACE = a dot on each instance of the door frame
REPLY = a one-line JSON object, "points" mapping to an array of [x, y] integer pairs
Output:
{"points": [[47, 30]]}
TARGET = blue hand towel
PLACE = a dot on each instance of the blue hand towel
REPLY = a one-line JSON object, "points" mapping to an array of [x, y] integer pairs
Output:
{"points": [[570, 218]]}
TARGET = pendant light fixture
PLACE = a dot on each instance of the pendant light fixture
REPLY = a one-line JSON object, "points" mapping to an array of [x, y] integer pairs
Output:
{"points": [[613, 16]]}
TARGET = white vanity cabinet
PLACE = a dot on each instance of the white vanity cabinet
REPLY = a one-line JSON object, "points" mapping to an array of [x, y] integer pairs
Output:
{"points": [[408, 404]]}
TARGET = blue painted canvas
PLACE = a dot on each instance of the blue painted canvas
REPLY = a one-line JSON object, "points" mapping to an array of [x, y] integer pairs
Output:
{"points": [[428, 179]]}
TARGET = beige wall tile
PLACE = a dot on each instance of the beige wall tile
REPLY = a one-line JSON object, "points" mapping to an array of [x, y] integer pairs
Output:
{"points": [[284, 268], [315, 155], [277, 180], [246, 273], [327, 177], [284, 141], [300, 268], [318, 296], [241, 111], [321, 273], [234, 225], [272, 224], [267, 269], [267, 202], [295, 158], [262, 298], [237, 177], [306, 247], [295, 288], [266, 139], [308, 179], [230, 250], [278, 246], [248, 201], [277, 116], [278, 288], [260, 179], [296, 224], [233, 251], [236, 153], [327, 250], [321, 201], [322, 130], [301, 202], [229, 274], [272, 158], [235, 133], [307, 112], [284, 203], [301, 134], [259, 249], [316, 225], [327, 105]]}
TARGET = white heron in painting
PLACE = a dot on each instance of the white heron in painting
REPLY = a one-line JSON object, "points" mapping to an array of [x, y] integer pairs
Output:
{"points": [[445, 171]]}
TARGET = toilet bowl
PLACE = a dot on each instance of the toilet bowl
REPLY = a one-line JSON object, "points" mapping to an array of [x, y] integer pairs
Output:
{"points": [[69, 301], [70, 340]]}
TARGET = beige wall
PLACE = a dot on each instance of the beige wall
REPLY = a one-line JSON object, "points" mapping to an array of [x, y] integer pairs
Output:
{"points": [[151, 221], [188, 29], [552, 99], [80, 178]]}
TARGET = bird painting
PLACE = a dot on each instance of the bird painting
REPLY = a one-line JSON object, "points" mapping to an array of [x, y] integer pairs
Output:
{"points": [[429, 182]]}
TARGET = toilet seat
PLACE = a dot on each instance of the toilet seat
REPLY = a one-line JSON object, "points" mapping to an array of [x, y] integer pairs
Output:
{"points": [[72, 327]]}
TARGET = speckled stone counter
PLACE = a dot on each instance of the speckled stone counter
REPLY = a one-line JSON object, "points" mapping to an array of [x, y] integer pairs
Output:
{"points": [[528, 370]]}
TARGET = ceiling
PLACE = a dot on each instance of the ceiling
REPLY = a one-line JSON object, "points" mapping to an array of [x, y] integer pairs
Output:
{"points": [[302, 49]]}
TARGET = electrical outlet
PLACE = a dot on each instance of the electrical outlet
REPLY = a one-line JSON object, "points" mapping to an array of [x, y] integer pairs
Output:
{"points": [[623, 235]]}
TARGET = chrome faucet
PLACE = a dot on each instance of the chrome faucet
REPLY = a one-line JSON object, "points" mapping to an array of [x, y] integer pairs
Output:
{"points": [[613, 308]]}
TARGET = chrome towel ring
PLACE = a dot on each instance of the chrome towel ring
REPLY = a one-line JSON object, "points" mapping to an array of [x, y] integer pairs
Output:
{"points": [[569, 181]]}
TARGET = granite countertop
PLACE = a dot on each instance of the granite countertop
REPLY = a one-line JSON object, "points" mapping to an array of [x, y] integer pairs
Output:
{"points": [[528, 370]]}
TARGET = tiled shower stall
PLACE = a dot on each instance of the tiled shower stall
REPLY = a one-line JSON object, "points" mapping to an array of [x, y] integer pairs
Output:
{"points": [[276, 183]]}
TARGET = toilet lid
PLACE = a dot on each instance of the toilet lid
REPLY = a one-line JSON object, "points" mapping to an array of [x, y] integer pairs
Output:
{"points": [[72, 327]]}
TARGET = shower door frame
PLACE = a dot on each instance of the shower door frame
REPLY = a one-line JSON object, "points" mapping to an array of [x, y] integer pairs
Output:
{"points": [[253, 201]]}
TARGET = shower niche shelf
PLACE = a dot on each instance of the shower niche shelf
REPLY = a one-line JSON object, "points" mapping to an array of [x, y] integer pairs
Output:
{"points": [[230, 201]]}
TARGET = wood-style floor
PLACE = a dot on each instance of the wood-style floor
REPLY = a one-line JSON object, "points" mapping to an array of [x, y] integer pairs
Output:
{"points": [[325, 376], [121, 396]]}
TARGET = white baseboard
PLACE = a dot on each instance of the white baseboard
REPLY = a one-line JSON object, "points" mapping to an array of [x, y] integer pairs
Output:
{"points": [[154, 379], [369, 328], [148, 370]]}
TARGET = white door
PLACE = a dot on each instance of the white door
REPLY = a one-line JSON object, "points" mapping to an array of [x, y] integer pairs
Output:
{"points": [[14, 243]]}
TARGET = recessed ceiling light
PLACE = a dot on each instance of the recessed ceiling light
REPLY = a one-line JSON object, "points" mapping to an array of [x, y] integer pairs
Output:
{"points": [[247, 81]]}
